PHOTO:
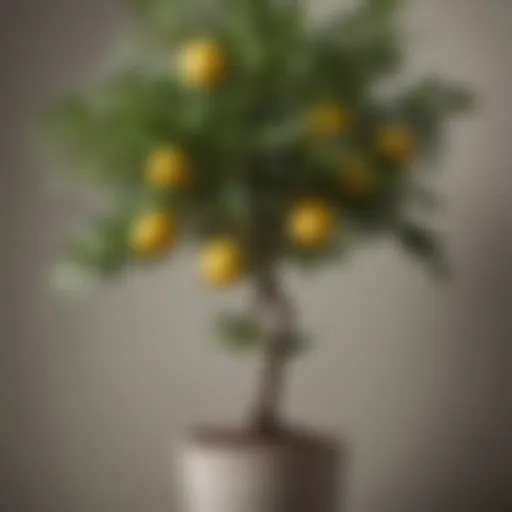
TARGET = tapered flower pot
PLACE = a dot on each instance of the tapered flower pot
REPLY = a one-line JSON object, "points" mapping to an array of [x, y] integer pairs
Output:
{"points": [[227, 471]]}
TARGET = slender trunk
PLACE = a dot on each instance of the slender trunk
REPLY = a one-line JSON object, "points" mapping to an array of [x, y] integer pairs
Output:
{"points": [[278, 314], [276, 317]]}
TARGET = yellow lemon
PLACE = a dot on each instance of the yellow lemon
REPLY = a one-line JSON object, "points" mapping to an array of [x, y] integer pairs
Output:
{"points": [[328, 119], [203, 64], [310, 223], [168, 167], [357, 177], [397, 143], [152, 233], [222, 262]]}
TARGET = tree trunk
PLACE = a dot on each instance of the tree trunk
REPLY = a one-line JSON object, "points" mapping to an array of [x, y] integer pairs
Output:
{"points": [[277, 315], [274, 312]]}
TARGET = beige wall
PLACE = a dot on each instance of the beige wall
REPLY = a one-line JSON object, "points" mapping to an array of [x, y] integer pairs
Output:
{"points": [[417, 377]]}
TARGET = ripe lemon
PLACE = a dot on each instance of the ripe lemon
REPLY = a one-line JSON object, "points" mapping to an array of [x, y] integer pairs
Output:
{"points": [[222, 262], [397, 143], [203, 64], [357, 177], [168, 167], [328, 119], [152, 233], [310, 223]]}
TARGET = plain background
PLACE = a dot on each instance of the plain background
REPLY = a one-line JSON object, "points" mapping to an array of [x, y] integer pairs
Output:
{"points": [[416, 376]]}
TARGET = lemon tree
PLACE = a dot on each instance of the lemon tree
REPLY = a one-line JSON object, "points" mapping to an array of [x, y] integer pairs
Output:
{"points": [[260, 137]]}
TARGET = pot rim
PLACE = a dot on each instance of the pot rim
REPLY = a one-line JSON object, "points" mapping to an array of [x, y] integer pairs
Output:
{"points": [[229, 439]]}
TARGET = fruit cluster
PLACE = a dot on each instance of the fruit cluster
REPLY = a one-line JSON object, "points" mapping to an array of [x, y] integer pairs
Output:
{"points": [[310, 222]]}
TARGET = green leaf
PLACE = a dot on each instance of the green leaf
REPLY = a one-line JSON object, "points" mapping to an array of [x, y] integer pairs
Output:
{"points": [[101, 250], [281, 134], [313, 259], [235, 203], [384, 7], [440, 97], [105, 136], [70, 114], [460, 100], [428, 105], [425, 245], [169, 20], [239, 332], [359, 48], [416, 239], [70, 278]]}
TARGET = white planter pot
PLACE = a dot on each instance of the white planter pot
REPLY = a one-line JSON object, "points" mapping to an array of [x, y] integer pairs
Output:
{"points": [[249, 475]]}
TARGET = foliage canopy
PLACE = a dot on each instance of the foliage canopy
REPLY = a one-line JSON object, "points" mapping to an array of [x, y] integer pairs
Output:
{"points": [[256, 112]]}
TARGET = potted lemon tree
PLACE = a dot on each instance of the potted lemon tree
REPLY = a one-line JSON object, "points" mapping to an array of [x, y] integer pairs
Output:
{"points": [[265, 139]]}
